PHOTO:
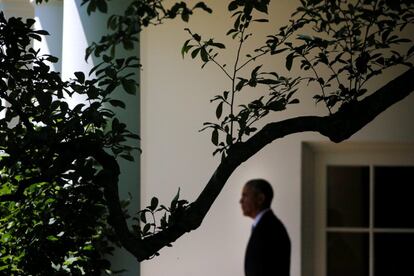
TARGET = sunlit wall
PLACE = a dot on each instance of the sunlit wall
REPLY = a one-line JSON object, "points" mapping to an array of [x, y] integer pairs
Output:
{"points": [[176, 95]]}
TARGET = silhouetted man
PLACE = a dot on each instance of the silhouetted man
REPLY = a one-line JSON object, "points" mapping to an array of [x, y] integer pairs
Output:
{"points": [[268, 250]]}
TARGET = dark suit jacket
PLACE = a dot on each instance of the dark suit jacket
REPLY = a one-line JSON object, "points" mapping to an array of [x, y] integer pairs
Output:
{"points": [[268, 250]]}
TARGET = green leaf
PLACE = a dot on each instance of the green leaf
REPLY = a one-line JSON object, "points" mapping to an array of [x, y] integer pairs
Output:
{"points": [[117, 103], [195, 52], [128, 157], [197, 37], [41, 32], [44, 99], [115, 124], [143, 217], [218, 45], [129, 86], [276, 105], [88, 247], [219, 110], [91, 7], [102, 6], [261, 6], [52, 238], [80, 76], [154, 204], [232, 6], [231, 31], [186, 47], [289, 61], [147, 227], [185, 15], [323, 58], [410, 51], [215, 137], [52, 59], [261, 20], [112, 22], [204, 54], [175, 200], [268, 81], [274, 52], [203, 6], [240, 84], [255, 70]]}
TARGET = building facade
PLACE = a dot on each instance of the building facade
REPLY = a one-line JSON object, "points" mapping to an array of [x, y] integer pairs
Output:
{"points": [[330, 196]]}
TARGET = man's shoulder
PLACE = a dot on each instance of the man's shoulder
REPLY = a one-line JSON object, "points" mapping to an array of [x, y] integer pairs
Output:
{"points": [[271, 221], [269, 216]]}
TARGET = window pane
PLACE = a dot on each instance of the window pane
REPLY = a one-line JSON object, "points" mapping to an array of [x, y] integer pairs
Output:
{"points": [[393, 254], [348, 196], [347, 254], [394, 189]]}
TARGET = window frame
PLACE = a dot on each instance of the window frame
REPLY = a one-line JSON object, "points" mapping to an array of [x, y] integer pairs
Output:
{"points": [[316, 156]]}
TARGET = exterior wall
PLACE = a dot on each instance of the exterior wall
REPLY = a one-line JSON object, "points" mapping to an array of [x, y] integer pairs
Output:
{"points": [[19, 8], [175, 103]]}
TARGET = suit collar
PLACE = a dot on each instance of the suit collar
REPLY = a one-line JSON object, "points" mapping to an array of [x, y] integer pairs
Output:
{"points": [[259, 216]]}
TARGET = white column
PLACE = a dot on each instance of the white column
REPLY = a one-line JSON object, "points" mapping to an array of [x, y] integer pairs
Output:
{"points": [[79, 30], [49, 17], [74, 38], [74, 43]]}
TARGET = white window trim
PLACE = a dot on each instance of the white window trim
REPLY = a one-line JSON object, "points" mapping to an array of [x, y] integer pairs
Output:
{"points": [[315, 156]]}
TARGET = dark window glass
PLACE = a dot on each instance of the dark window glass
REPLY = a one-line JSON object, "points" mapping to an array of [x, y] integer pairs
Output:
{"points": [[394, 190], [347, 254], [348, 196], [393, 254]]}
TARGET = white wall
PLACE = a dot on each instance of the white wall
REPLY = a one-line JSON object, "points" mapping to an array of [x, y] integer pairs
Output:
{"points": [[175, 103], [17, 8]]}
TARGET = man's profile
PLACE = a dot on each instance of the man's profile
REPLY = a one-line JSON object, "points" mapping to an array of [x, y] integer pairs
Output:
{"points": [[268, 250]]}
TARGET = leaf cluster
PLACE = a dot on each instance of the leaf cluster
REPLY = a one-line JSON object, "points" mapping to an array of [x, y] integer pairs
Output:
{"points": [[138, 15], [156, 218], [354, 42], [53, 214], [237, 119]]}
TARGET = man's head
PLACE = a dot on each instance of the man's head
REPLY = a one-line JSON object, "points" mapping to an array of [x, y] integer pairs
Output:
{"points": [[256, 196]]}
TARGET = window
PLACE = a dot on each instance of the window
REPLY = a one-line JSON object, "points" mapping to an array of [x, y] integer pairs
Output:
{"points": [[361, 205]]}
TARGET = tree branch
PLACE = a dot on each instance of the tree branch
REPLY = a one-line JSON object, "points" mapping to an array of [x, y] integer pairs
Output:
{"points": [[337, 127]]}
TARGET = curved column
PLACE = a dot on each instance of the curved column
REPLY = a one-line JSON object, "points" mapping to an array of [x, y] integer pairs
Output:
{"points": [[49, 17], [79, 30]]}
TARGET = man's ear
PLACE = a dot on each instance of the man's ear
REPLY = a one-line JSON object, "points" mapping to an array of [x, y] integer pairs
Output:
{"points": [[261, 199]]}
